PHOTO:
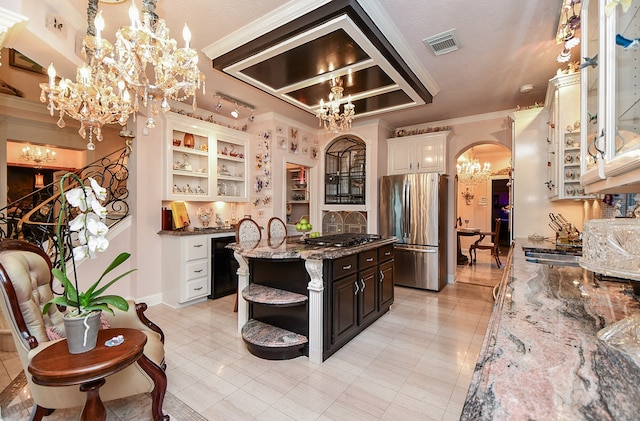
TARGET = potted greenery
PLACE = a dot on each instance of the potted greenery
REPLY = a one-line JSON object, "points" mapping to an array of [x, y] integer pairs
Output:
{"points": [[82, 318]]}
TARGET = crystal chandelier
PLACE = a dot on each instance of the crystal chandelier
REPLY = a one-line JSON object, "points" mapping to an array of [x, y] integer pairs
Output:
{"points": [[145, 48], [95, 98], [38, 155], [101, 94], [330, 113], [472, 173]]}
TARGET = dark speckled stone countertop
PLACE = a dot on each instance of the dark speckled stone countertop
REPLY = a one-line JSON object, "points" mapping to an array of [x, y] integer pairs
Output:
{"points": [[198, 231], [541, 358], [293, 248]]}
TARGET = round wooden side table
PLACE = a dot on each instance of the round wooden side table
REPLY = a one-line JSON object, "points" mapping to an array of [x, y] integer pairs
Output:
{"points": [[55, 366]]}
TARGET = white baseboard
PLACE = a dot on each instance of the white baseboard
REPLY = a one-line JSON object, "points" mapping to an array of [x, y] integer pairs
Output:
{"points": [[151, 300]]}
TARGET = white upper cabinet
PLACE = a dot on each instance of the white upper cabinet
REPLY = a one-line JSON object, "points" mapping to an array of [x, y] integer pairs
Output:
{"points": [[188, 168], [611, 104], [419, 153], [563, 105], [204, 161]]}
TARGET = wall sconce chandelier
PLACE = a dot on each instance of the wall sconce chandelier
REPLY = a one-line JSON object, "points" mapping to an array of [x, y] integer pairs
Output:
{"points": [[101, 94], [472, 172], [468, 197], [38, 155], [330, 115]]}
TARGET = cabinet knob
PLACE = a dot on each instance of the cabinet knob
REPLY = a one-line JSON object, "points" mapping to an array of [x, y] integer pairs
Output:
{"points": [[346, 267], [357, 288], [369, 259], [381, 276], [198, 271], [198, 289], [387, 253], [363, 284], [198, 245]]}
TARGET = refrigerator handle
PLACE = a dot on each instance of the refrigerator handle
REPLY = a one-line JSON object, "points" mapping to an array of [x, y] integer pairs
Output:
{"points": [[408, 211], [404, 209]]}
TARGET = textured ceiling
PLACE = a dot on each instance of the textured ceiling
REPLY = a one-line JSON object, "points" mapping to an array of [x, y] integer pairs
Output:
{"points": [[503, 45]]}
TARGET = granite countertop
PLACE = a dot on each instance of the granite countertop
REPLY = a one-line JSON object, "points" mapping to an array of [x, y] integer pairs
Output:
{"points": [[549, 245], [198, 231], [541, 358], [293, 248]]}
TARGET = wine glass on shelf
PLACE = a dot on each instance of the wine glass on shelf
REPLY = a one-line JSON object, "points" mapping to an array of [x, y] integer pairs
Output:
{"points": [[466, 223]]}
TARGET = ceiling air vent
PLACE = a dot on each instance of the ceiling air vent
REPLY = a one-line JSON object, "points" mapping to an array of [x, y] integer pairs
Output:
{"points": [[442, 43]]}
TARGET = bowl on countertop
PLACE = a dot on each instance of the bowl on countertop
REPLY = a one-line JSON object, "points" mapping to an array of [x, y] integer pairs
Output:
{"points": [[612, 247]]}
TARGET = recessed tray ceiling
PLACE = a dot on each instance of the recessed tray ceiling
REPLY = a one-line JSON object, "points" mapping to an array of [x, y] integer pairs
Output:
{"points": [[296, 61]]}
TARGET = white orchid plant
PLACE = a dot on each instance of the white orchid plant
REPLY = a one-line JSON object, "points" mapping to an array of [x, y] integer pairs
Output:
{"points": [[90, 231]]}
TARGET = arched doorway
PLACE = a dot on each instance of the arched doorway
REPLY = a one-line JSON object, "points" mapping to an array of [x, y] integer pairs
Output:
{"points": [[479, 202]]}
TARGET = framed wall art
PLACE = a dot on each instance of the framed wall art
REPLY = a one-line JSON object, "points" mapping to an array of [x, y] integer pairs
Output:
{"points": [[20, 61]]}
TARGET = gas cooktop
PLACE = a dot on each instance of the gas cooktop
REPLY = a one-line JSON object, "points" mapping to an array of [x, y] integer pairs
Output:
{"points": [[342, 240]]}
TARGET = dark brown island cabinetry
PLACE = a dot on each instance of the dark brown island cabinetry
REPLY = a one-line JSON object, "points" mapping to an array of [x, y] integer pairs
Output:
{"points": [[310, 299], [358, 290], [278, 325]]}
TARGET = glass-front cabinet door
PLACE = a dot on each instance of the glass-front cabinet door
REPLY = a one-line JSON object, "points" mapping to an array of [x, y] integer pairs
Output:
{"points": [[625, 27], [590, 87], [611, 80]]}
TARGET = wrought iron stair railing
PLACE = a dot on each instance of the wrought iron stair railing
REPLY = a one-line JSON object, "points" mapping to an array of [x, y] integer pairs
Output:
{"points": [[37, 225]]}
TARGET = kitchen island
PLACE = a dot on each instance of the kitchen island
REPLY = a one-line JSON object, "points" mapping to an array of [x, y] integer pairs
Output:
{"points": [[541, 358], [347, 287]]}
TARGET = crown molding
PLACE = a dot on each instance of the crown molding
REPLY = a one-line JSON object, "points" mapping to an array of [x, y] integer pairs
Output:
{"points": [[285, 13]]}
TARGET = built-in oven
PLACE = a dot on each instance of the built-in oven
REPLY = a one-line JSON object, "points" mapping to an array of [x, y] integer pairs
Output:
{"points": [[224, 268]]}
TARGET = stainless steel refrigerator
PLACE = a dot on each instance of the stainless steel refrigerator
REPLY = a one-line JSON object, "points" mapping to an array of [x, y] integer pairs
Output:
{"points": [[413, 207]]}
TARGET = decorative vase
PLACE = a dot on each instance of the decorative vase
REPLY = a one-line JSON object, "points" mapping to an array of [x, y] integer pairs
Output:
{"points": [[188, 141], [82, 332]]}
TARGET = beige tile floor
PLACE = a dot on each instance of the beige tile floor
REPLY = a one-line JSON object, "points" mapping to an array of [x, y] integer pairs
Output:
{"points": [[484, 271], [415, 363]]}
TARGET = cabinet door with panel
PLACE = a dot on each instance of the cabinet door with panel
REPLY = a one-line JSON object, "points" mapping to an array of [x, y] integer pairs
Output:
{"points": [[431, 154], [367, 295], [401, 156], [385, 279], [345, 308], [368, 291]]}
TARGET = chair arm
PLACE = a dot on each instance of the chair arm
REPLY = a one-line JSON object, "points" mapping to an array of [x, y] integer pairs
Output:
{"points": [[38, 349], [133, 318], [140, 309]]}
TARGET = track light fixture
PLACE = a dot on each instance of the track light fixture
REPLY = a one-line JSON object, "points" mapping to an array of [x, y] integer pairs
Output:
{"points": [[237, 105]]}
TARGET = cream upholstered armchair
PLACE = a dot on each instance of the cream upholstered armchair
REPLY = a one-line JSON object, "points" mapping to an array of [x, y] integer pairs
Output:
{"points": [[25, 277]]}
